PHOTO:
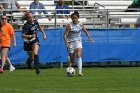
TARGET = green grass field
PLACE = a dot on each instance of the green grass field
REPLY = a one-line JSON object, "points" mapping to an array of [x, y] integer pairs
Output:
{"points": [[95, 80]]}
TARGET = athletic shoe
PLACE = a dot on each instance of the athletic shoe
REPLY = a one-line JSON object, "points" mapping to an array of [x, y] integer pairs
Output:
{"points": [[80, 74], [37, 71], [1, 70], [12, 68]]}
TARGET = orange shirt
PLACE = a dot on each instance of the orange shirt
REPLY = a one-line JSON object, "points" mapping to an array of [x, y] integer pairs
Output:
{"points": [[5, 36]]}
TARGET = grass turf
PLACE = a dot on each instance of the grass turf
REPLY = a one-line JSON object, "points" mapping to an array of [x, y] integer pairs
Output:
{"points": [[95, 80]]}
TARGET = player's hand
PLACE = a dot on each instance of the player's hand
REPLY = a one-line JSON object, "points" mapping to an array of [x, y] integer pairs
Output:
{"points": [[68, 45], [44, 37], [15, 44], [33, 36], [91, 39]]}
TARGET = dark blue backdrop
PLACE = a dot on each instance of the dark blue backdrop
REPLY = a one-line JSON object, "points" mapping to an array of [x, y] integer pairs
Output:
{"points": [[110, 45]]}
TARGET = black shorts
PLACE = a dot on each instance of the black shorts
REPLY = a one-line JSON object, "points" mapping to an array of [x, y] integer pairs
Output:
{"points": [[4, 47], [28, 45]]}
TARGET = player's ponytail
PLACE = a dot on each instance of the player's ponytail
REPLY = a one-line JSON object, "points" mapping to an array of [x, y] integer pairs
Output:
{"points": [[75, 13]]}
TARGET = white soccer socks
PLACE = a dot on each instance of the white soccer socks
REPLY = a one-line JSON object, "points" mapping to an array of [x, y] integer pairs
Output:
{"points": [[79, 63]]}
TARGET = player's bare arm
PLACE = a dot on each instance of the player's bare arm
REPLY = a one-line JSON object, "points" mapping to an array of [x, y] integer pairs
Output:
{"points": [[14, 40], [44, 34], [86, 32], [65, 34]]}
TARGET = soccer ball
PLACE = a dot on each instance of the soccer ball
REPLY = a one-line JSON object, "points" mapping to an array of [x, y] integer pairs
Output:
{"points": [[70, 71]]}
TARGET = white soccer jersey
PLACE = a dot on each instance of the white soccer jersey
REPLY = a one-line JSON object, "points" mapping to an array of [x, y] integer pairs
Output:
{"points": [[75, 32]]}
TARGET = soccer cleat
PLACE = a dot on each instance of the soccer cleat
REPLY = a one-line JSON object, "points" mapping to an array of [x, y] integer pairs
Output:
{"points": [[12, 68], [1, 70], [37, 71], [80, 74], [37, 68]]}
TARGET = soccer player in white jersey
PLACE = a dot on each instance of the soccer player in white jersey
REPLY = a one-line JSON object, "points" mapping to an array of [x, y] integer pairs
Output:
{"points": [[73, 39]]}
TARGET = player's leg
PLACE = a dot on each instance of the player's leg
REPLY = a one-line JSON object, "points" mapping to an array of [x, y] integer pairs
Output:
{"points": [[28, 49], [78, 50], [29, 60], [4, 52], [11, 67], [35, 49], [79, 61], [1, 70], [71, 55]]}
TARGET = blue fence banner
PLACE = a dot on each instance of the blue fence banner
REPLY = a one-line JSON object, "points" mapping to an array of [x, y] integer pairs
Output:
{"points": [[109, 45]]}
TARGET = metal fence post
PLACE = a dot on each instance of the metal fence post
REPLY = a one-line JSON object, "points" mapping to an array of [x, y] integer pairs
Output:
{"points": [[107, 19], [61, 65], [55, 19]]}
